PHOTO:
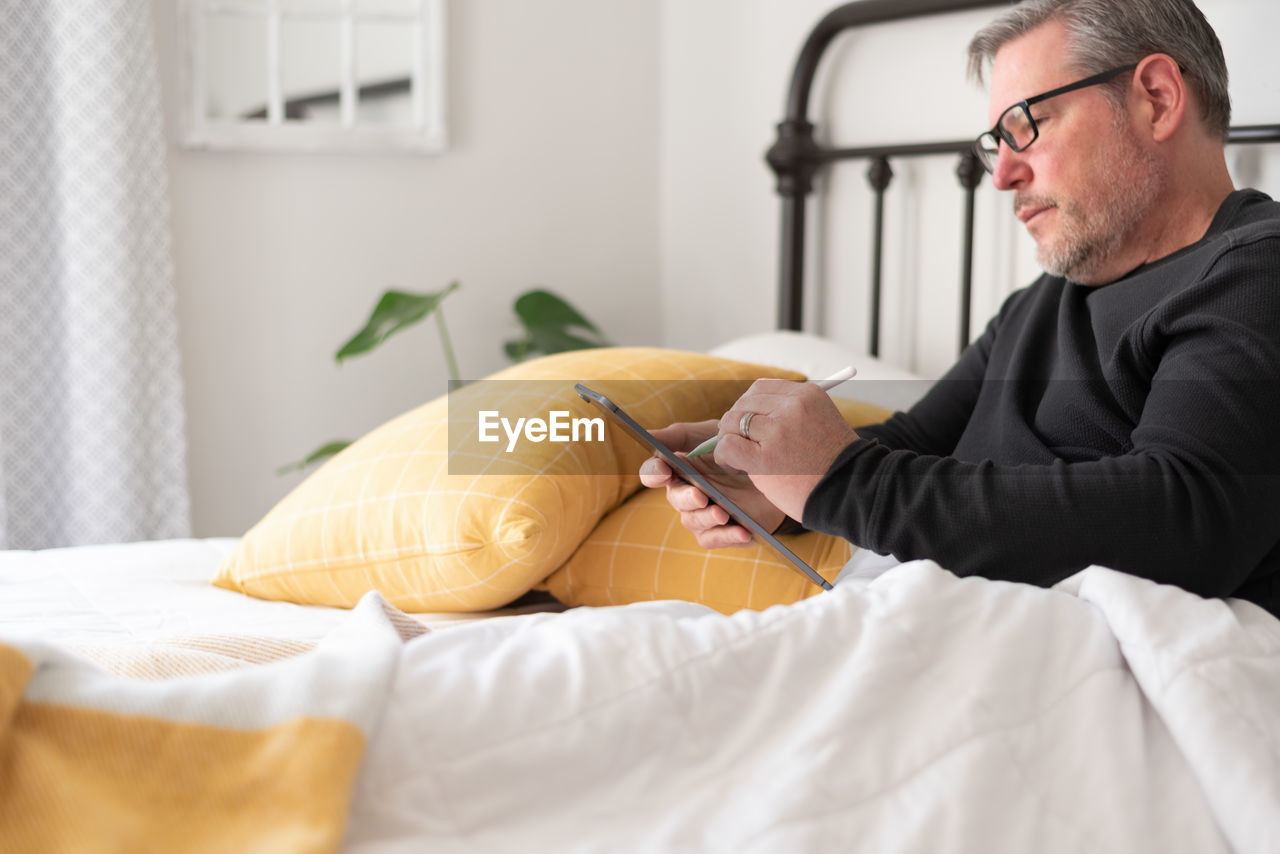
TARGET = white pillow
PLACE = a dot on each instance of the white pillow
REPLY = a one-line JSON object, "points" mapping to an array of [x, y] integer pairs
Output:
{"points": [[817, 357]]}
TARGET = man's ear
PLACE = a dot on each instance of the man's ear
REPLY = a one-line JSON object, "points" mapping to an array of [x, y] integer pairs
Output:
{"points": [[1162, 95]]}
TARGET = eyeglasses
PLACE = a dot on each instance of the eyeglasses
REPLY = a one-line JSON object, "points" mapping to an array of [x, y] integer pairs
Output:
{"points": [[1017, 129]]}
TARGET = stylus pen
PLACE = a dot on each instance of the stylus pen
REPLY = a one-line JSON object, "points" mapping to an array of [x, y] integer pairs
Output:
{"points": [[826, 385]]}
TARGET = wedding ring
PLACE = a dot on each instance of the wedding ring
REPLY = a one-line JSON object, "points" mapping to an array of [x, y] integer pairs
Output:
{"points": [[744, 425]]}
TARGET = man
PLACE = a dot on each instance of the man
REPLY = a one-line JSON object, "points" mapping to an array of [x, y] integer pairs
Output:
{"points": [[1124, 409]]}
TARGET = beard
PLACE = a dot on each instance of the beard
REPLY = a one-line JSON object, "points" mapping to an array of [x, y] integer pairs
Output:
{"points": [[1097, 222]]}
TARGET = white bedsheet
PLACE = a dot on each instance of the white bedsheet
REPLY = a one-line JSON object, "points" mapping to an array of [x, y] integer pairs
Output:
{"points": [[141, 591], [138, 592]]}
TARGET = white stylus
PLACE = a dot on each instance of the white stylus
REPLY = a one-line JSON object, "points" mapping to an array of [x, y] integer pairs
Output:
{"points": [[826, 385]]}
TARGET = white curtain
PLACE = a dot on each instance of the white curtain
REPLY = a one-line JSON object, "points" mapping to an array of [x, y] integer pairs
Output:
{"points": [[91, 420]]}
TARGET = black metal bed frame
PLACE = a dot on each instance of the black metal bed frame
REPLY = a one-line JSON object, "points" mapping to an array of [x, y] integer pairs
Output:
{"points": [[796, 157]]}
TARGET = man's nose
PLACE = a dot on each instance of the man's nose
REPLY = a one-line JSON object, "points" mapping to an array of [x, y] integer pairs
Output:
{"points": [[1010, 169]]}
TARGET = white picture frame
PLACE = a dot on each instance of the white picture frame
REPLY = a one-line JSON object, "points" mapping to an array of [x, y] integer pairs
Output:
{"points": [[418, 125]]}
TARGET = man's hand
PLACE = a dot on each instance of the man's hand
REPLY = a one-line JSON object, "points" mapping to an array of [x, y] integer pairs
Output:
{"points": [[794, 435], [709, 523]]}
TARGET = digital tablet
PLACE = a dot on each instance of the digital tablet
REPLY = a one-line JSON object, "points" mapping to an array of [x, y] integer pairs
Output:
{"points": [[686, 471]]}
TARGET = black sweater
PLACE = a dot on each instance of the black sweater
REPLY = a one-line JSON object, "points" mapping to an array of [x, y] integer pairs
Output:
{"points": [[1134, 425]]}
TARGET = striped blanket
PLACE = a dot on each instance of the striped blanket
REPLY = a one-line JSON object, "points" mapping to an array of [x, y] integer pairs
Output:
{"points": [[192, 744]]}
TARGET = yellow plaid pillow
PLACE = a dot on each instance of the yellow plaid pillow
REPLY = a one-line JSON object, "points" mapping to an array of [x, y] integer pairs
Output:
{"points": [[443, 523], [641, 552]]}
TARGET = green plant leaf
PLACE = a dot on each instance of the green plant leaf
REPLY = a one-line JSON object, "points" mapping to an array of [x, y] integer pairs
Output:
{"points": [[543, 308], [516, 350], [396, 310], [548, 320], [324, 452]]}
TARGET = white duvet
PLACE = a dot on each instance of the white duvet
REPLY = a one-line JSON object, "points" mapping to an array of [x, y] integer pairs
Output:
{"points": [[917, 712]]}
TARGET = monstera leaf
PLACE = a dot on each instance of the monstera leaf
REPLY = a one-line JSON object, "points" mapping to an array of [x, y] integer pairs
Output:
{"points": [[551, 325], [395, 312]]}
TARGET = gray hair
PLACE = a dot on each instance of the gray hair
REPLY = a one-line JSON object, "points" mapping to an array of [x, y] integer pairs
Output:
{"points": [[1104, 34]]}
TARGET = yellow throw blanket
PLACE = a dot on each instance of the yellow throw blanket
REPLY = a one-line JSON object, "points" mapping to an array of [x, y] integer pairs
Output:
{"points": [[202, 753]]}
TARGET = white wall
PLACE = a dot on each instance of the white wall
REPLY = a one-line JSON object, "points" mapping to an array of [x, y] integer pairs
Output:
{"points": [[550, 179], [610, 150], [725, 71]]}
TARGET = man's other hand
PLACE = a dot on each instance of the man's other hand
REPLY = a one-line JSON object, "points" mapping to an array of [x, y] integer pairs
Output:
{"points": [[710, 523]]}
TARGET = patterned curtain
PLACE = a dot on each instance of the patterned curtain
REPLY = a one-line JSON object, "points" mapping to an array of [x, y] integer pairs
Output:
{"points": [[92, 448]]}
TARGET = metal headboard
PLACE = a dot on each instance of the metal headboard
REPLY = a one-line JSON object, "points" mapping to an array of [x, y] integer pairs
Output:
{"points": [[796, 157]]}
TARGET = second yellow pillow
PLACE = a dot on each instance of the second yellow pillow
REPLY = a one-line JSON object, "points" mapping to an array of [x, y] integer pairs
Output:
{"points": [[641, 551]]}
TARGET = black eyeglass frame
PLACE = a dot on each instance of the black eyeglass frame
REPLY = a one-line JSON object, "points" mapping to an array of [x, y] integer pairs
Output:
{"points": [[998, 134]]}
